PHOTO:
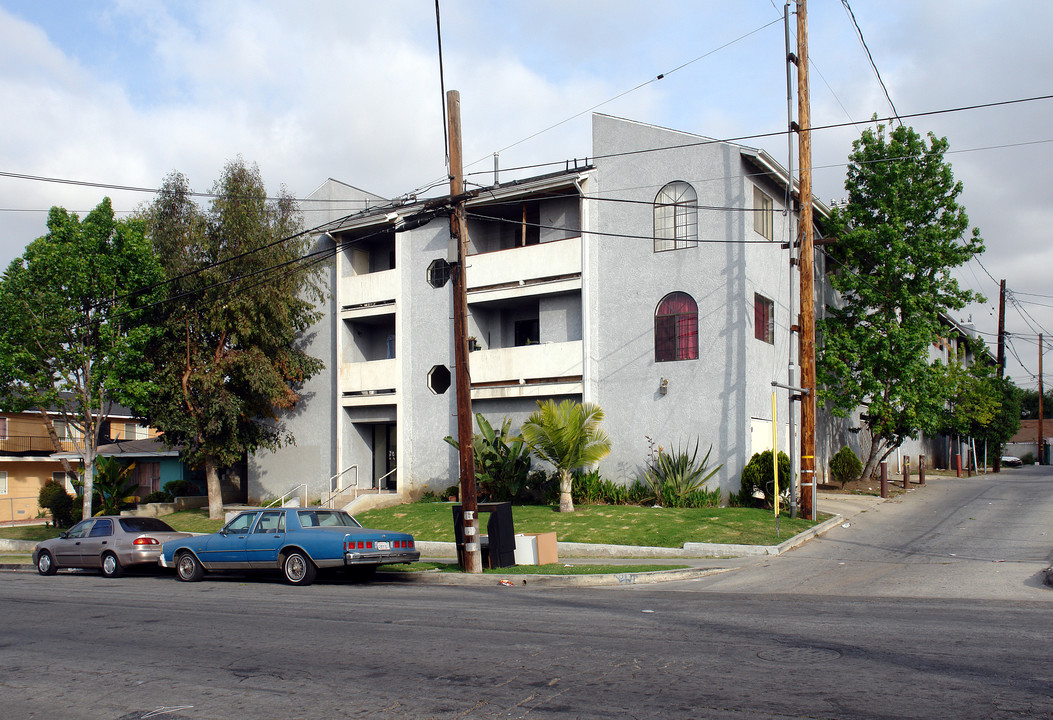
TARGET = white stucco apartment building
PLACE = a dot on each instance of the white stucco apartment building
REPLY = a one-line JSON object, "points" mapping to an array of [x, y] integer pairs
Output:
{"points": [[652, 279]]}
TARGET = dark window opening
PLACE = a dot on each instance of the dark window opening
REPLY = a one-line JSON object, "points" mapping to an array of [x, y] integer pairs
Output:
{"points": [[676, 328], [763, 319], [527, 332]]}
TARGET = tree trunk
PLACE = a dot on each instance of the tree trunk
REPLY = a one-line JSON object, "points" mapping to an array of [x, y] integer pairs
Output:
{"points": [[89, 482], [879, 450], [215, 493], [566, 503]]}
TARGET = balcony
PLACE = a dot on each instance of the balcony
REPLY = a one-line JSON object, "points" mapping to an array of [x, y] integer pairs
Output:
{"points": [[535, 269], [528, 371], [373, 382], [368, 294], [33, 446]]}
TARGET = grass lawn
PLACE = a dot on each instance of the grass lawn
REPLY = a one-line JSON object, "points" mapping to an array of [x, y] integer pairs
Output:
{"points": [[614, 524], [36, 533]]}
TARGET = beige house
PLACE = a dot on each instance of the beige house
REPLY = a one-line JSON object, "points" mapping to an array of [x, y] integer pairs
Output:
{"points": [[28, 457]]}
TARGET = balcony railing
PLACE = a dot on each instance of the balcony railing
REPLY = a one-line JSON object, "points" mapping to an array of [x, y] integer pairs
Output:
{"points": [[33, 445], [362, 292], [547, 361], [560, 259], [371, 377]]}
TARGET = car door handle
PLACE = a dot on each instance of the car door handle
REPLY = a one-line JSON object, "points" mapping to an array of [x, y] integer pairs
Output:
{"points": [[103, 542]]}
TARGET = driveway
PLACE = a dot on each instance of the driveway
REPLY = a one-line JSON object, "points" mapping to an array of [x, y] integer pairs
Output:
{"points": [[985, 537]]}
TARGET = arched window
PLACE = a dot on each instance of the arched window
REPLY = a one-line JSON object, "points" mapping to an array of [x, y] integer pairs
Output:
{"points": [[676, 328], [675, 217]]}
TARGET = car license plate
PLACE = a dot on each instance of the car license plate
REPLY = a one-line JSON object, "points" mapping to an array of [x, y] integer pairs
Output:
{"points": [[382, 545]]}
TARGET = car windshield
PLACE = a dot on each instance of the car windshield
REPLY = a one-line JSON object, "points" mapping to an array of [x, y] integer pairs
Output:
{"points": [[326, 518], [144, 524]]}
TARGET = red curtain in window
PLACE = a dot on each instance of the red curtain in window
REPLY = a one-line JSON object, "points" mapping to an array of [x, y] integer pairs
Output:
{"points": [[676, 328]]}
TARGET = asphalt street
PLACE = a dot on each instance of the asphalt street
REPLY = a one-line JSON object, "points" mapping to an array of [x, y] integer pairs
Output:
{"points": [[866, 622]]}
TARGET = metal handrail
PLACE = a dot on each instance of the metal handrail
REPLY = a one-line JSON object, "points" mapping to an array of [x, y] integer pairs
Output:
{"points": [[379, 488], [328, 502], [283, 498]]}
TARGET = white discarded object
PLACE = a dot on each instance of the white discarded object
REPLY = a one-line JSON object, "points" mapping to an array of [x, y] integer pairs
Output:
{"points": [[647, 611], [845, 524]]}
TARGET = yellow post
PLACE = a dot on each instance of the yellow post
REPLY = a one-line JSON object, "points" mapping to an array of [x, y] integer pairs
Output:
{"points": [[775, 450]]}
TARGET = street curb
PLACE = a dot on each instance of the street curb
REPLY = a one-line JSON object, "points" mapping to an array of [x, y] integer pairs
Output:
{"points": [[435, 577]]}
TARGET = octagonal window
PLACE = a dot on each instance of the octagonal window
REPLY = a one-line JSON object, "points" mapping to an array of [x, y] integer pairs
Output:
{"points": [[438, 273], [439, 379]]}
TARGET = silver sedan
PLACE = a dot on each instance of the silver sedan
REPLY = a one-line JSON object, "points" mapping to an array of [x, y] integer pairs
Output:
{"points": [[106, 543]]}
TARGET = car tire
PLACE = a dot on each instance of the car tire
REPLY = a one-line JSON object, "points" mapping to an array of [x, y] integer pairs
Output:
{"points": [[361, 573], [297, 568], [188, 567], [111, 566], [46, 563]]}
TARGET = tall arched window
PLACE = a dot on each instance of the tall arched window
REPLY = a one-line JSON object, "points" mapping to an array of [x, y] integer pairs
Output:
{"points": [[676, 328], [675, 217]]}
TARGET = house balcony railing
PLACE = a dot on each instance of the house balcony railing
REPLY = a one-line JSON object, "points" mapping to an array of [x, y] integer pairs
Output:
{"points": [[369, 292], [545, 362], [33, 445], [552, 262], [369, 378]]}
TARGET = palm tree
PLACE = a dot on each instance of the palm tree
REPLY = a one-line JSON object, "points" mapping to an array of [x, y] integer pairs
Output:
{"points": [[567, 435]]}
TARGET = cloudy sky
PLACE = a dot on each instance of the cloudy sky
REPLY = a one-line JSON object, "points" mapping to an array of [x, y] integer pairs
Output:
{"points": [[122, 92]]}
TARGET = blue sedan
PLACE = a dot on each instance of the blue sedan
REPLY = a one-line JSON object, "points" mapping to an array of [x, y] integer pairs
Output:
{"points": [[296, 541]]}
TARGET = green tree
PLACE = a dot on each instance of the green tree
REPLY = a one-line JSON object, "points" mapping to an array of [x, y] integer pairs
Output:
{"points": [[73, 327], [568, 436], [899, 236], [230, 359]]}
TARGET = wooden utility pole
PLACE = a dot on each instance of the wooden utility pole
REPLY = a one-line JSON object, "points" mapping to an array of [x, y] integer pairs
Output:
{"points": [[1001, 354], [1041, 458], [463, 381], [806, 259]]}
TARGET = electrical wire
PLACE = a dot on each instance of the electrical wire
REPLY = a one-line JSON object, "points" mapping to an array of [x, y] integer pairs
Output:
{"points": [[870, 57]]}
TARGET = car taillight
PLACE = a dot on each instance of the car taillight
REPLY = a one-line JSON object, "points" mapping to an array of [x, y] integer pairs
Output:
{"points": [[145, 541]]}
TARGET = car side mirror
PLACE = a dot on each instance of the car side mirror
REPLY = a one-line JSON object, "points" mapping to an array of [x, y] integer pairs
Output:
{"points": [[63, 535]]}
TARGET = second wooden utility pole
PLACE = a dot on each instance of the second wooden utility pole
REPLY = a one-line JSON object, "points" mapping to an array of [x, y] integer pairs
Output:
{"points": [[806, 259], [1041, 410], [463, 381], [1001, 353]]}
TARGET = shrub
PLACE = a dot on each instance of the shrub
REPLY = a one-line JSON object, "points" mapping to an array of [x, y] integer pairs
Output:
{"points": [[55, 498], [757, 475], [502, 461], [181, 488], [112, 485], [845, 466], [158, 496], [1028, 458], [593, 489], [673, 477]]}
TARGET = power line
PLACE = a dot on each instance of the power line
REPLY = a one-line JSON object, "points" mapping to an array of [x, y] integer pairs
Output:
{"points": [[870, 57], [779, 133]]}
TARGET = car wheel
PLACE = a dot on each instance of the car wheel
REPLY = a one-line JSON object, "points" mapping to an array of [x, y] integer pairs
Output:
{"points": [[188, 568], [298, 568], [111, 566], [46, 564], [361, 573]]}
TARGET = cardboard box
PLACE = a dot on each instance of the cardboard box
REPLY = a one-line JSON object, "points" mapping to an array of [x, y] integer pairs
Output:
{"points": [[536, 548]]}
